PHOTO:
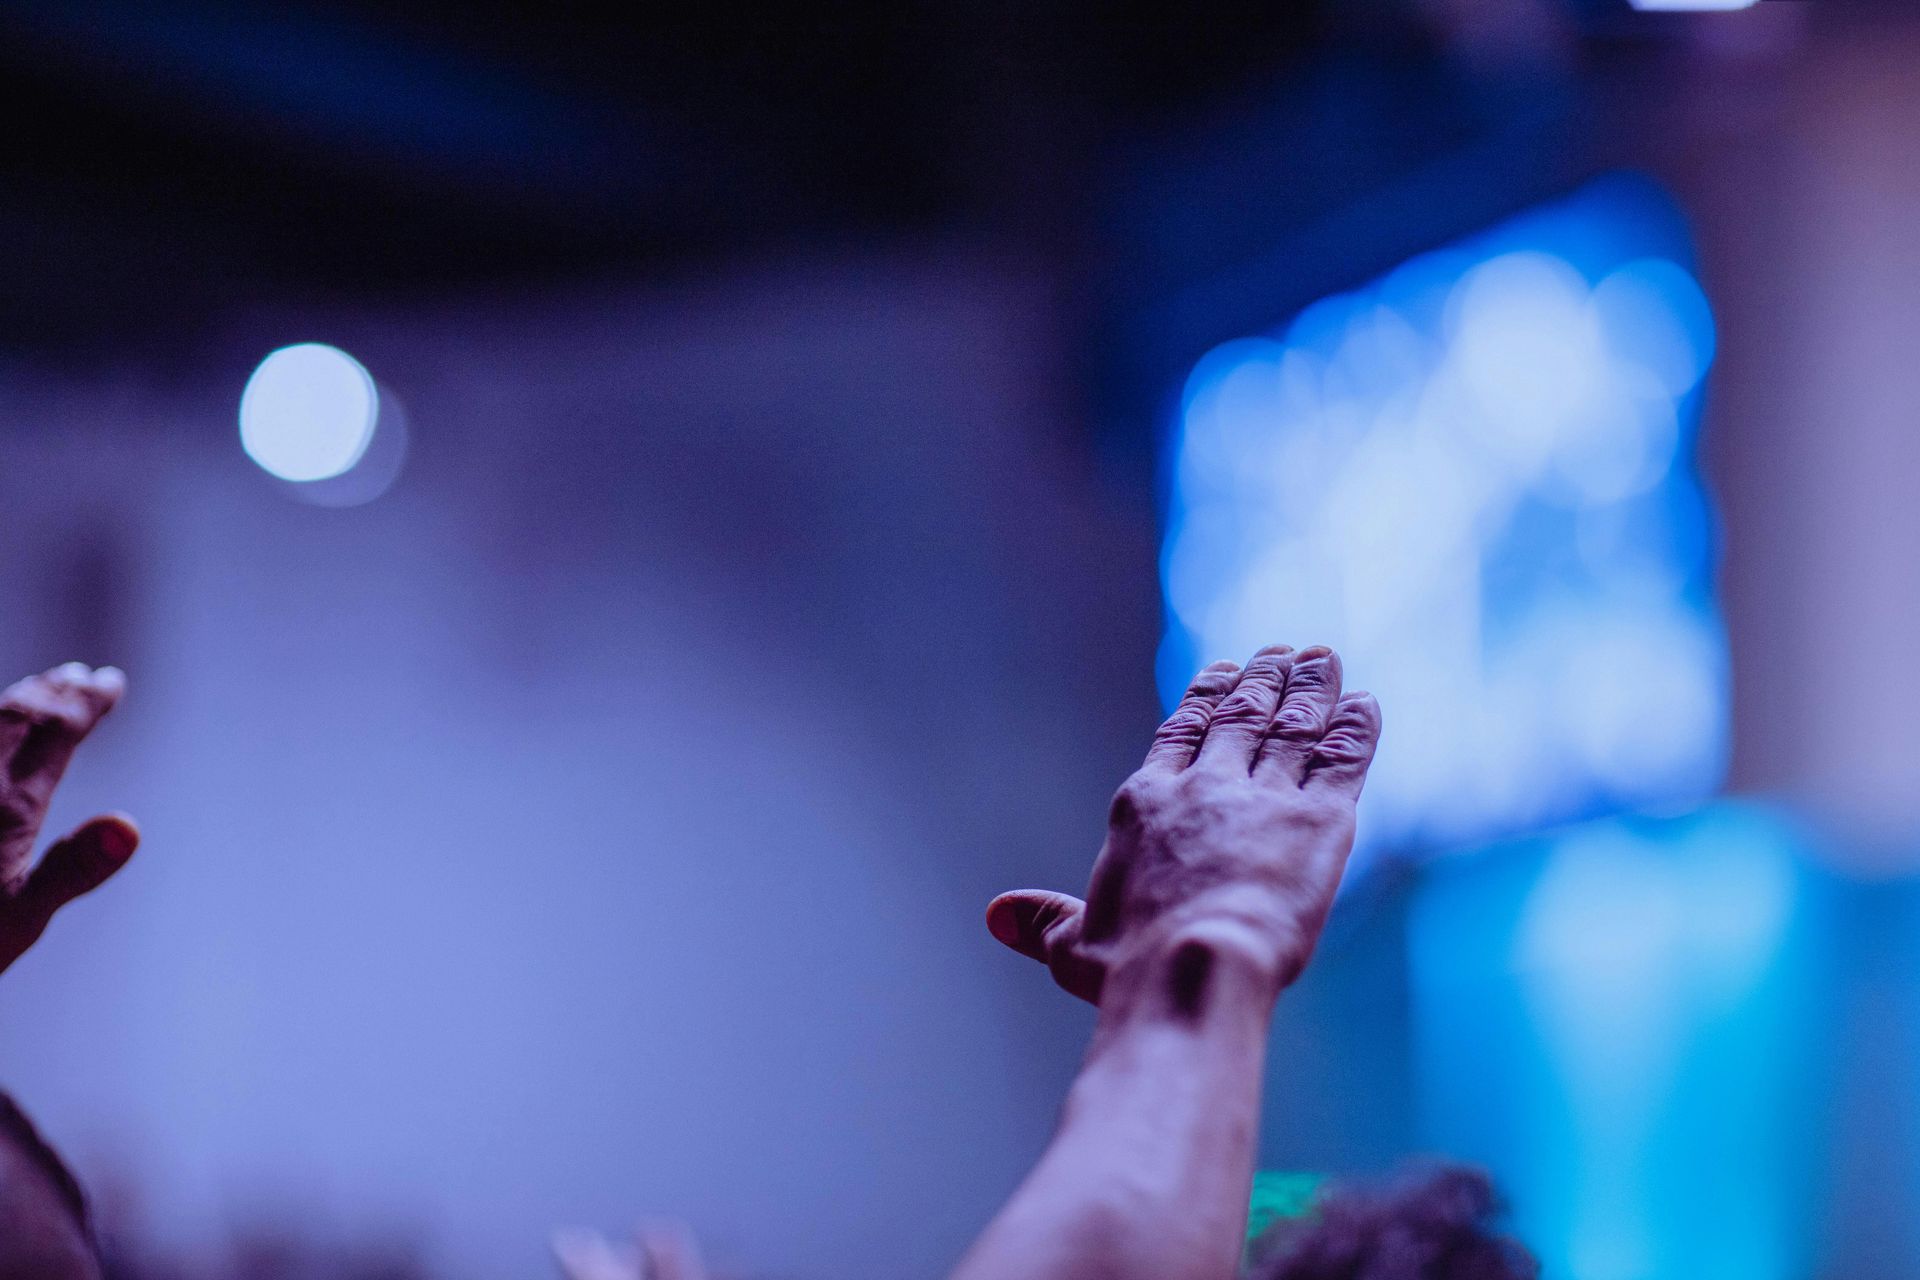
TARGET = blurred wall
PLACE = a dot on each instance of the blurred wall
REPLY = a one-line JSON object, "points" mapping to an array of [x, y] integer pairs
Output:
{"points": [[599, 823], [1796, 157]]}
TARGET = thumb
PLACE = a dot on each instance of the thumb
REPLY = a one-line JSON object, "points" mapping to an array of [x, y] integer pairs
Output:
{"points": [[1023, 918], [81, 862], [1045, 926]]}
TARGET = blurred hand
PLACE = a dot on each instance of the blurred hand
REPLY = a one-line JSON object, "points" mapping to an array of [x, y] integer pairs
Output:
{"points": [[42, 719], [664, 1251], [1237, 826]]}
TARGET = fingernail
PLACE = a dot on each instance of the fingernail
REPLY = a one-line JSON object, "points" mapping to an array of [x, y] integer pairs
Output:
{"points": [[1003, 922], [1274, 650], [119, 838], [73, 671], [1316, 651]]}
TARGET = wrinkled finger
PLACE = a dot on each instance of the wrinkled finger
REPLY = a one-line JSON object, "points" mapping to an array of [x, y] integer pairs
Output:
{"points": [[44, 717], [1240, 721], [1178, 739], [1046, 926], [72, 867], [1313, 687], [80, 863], [1344, 753], [1023, 918]]}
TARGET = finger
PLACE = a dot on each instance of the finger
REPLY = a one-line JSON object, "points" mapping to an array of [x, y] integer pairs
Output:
{"points": [[1022, 918], [1045, 926], [1241, 719], [79, 864], [586, 1255], [1313, 687], [1179, 736], [72, 867], [25, 703], [1345, 752], [668, 1252], [46, 717]]}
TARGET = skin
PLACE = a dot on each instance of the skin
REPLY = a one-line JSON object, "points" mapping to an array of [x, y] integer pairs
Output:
{"points": [[1223, 854], [42, 720], [660, 1251], [1222, 858], [39, 1236]]}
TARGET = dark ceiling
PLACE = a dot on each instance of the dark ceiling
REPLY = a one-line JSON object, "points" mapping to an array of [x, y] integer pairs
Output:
{"points": [[163, 158]]}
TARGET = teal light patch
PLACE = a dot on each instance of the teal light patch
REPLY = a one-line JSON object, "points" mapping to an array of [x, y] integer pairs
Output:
{"points": [[1280, 1197]]}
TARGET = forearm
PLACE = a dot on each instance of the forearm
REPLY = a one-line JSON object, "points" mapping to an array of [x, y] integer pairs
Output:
{"points": [[1149, 1171]]}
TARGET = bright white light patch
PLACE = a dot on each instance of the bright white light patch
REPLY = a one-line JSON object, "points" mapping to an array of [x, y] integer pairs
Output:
{"points": [[308, 412], [1474, 480]]}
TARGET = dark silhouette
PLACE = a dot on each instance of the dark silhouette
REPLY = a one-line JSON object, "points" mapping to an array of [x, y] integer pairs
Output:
{"points": [[1437, 1224]]}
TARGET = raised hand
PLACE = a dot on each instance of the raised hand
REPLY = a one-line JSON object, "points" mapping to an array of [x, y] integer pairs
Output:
{"points": [[1237, 826], [1223, 854], [42, 720]]}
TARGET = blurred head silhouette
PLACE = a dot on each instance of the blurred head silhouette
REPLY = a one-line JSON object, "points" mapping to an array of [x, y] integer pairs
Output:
{"points": [[43, 1215], [1434, 1224]]}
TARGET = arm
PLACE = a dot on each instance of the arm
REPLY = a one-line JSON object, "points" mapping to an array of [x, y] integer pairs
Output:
{"points": [[1222, 857], [43, 719], [1149, 1172]]}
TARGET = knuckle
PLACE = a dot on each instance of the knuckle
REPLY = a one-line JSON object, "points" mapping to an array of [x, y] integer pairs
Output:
{"points": [[38, 708], [70, 722], [1343, 747], [22, 705], [1145, 794], [1130, 802], [1211, 684], [1239, 709], [1188, 721], [1059, 929], [1296, 720], [18, 811], [1360, 713], [1315, 674]]}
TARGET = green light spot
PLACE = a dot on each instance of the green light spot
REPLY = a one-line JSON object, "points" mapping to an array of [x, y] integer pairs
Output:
{"points": [[1280, 1197]]}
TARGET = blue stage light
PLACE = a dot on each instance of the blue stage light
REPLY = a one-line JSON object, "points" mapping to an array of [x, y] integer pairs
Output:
{"points": [[1475, 478]]}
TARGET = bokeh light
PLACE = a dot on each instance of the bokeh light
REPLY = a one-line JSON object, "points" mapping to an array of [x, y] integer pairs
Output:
{"points": [[1644, 978], [1475, 479], [308, 413]]}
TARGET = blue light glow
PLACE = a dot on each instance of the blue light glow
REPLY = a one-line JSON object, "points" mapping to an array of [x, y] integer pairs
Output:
{"points": [[1617, 1020], [1475, 479]]}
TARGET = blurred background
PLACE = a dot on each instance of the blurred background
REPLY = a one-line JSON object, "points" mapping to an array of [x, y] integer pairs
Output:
{"points": [[628, 528]]}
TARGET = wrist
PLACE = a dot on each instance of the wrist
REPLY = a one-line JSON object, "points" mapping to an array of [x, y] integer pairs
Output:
{"points": [[1197, 967]]}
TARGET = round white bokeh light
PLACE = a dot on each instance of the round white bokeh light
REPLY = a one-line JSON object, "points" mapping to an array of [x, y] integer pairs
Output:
{"points": [[308, 412]]}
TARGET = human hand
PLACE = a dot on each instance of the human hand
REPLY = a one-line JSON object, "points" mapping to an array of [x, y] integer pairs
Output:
{"points": [[660, 1251], [42, 720], [1237, 826]]}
